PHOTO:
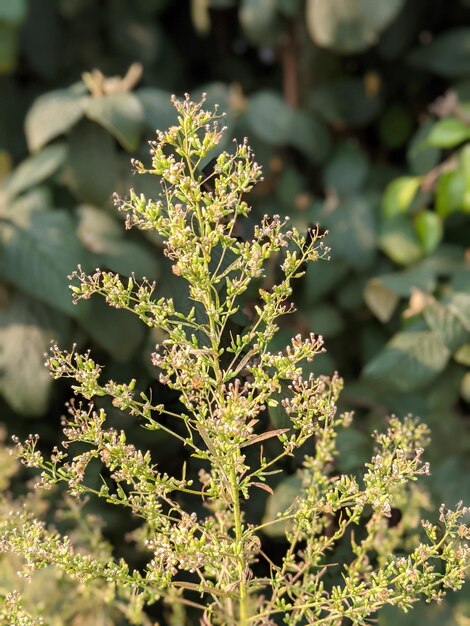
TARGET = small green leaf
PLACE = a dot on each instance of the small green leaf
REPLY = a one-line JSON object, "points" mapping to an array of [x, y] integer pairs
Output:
{"points": [[51, 115], [448, 133], [399, 241], [122, 114], [422, 157], [450, 193], [399, 194], [158, 111], [380, 300], [430, 230]]}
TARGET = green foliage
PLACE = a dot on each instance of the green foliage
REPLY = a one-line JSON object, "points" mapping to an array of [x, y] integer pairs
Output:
{"points": [[355, 123], [206, 560]]}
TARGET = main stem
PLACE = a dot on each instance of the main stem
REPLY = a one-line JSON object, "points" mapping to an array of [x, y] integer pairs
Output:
{"points": [[239, 550]]}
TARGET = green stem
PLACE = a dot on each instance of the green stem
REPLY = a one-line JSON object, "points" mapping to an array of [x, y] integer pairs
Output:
{"points": [[241, 565]]}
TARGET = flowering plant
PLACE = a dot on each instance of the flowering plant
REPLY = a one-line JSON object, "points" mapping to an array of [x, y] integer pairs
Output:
{"points": [[214, 563]]}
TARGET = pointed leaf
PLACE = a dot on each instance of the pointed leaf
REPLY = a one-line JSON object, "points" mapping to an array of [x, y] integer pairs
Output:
{"points": [[38, 249], [399, 195], [51, 115], [409, 361], [26, 329], [430, 230], [92, 163], [122, 114], [448, 133], [36, 169]]}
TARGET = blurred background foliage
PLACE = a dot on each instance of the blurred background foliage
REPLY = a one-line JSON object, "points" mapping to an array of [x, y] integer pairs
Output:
{"points": [[358, 110]]}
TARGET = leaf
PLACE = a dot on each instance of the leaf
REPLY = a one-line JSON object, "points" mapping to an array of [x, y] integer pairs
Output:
{"points": [[399, 194], [325, 320], [395, 126], [122, 114], [51, 115], [421, 157], [465, 387], [283, 497], [36, 169], [382, 293], [8, 47], [103, 236], [462, 355], [450, 193], [349, 26], [445, 321], [353, 450], [39, 248], [158, 112], [353, 229], [429, 229], [399, 241], [26, 329], [119, 332], [448, 133], [345, 102], [323, 277], [260, 21], [409, 361], [347, 170], [278, 124], [380, 300], [447, 54], [13, 11], [92, 171]]}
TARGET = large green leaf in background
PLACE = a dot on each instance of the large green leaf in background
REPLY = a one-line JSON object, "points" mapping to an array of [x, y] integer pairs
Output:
{"points": [[36, 169], [26, 329], [278, 124], [38, 249], [51, 115], [348, 26], [104, 237], [92, 163], [345, 102], [122, 114], [13, 11], [409, 361], [448, 54]]}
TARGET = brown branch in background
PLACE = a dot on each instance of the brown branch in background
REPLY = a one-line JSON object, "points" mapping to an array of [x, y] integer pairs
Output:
{"points": [[289, 62]]}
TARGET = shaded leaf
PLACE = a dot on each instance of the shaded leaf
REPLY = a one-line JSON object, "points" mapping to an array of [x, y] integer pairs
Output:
{"points": [[36, 168], [447, 54], [158, 112], [119, 332], [122, 114], [462, 355], [345, 102], [409, 361], [51, 115], [353, 450], [278, 124], [349, 25], [92, 163], [353, 229], [104, 237], [39, 249], [325, 320], [8, 47], [284, 496], [465, 387], [380, 300], [13, 11], [26, 329], [450, 193], [422, 157], [445, 321], [347, 170], [260, 21]]}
